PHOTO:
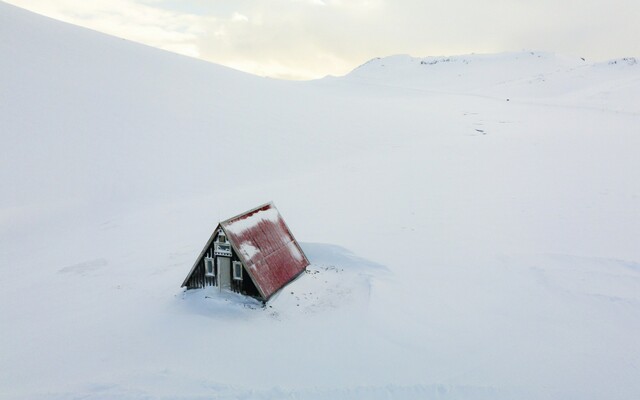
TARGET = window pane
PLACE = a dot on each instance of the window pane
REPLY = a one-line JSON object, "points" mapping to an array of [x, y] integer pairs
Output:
{"points": [[237, 270], [208, 266]]}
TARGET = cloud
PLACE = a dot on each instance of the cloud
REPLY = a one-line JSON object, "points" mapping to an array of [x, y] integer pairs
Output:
{"points": [[130, 19], [311, 38]]}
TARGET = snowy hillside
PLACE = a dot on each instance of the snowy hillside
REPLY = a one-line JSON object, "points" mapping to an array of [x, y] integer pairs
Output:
{"points": [[526, 76], [463, 246]]}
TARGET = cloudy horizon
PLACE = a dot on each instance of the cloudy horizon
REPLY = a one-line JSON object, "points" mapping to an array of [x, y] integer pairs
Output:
{"points": [[306, 39]]}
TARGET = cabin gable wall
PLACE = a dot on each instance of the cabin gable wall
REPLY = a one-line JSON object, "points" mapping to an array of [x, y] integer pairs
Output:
{"points": [[199, 279]]}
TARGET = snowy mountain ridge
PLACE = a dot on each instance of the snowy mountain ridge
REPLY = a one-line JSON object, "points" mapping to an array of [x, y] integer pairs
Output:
{"points": [[540, 62], [504, 57], [522, 76]]}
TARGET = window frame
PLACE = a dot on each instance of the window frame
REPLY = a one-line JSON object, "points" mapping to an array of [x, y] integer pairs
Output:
{"points": [[234, 265], [213, 267]]}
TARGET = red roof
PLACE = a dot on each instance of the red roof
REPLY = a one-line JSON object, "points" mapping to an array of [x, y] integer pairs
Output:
{"points": [[268, 250]]}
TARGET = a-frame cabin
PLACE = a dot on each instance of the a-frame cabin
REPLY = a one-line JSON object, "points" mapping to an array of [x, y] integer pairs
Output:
{"points": [[253, 253]]}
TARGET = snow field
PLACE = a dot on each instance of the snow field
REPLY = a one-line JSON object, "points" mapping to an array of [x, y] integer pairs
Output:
{"points": [[463, 246]]}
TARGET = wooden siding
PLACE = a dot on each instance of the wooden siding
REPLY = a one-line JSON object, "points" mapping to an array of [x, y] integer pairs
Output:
{"points": [[198, 278]]}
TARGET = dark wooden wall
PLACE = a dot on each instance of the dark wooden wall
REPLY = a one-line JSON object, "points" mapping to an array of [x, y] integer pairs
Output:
{"points": [[199, 280]]}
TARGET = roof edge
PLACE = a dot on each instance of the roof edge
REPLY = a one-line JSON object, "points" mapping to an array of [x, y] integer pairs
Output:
{"points": [[206, 246], [293, 237], [296, 276], [249, 212]]}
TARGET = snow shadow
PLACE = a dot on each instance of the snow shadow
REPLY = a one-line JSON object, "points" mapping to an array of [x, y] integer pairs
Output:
{"points": [[210, 302], [325, 254]]}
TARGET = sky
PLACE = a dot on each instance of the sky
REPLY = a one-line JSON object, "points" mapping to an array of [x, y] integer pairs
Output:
{"points": [[307, 39]]}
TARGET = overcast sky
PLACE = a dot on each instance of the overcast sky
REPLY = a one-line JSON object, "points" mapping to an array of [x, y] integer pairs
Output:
{"points": [[301, 39]]}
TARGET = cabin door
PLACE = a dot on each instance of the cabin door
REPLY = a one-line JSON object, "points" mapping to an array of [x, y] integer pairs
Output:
{"points": [[224, 272]]}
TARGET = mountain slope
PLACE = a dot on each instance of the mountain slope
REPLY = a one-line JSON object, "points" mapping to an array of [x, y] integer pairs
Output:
{"points": [[462, 246], [521, 76]]}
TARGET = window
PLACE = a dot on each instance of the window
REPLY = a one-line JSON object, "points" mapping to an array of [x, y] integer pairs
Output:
{"points": [[208, 267], [237, 270], [222, 239]]}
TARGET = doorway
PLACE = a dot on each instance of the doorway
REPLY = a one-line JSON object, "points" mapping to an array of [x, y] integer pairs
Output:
{"points": [[224, 272]]}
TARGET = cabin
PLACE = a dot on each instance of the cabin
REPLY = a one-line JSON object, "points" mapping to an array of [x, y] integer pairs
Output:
{"points": [[253, 253]]}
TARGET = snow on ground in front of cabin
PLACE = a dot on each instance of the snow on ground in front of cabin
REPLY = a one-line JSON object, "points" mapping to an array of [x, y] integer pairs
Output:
{"points": [[336, 279], [462, 246]]}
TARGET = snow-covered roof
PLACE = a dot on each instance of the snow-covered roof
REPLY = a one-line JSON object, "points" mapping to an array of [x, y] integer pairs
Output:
{"points": [[266, 247], [268, 250]]}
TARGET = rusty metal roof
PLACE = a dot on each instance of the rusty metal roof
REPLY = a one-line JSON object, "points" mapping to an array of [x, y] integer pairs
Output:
{"points": [[268, 250]]}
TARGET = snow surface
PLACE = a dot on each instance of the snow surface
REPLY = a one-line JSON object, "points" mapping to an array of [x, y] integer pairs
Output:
{"points": [[473, 224], [248, 250]]}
